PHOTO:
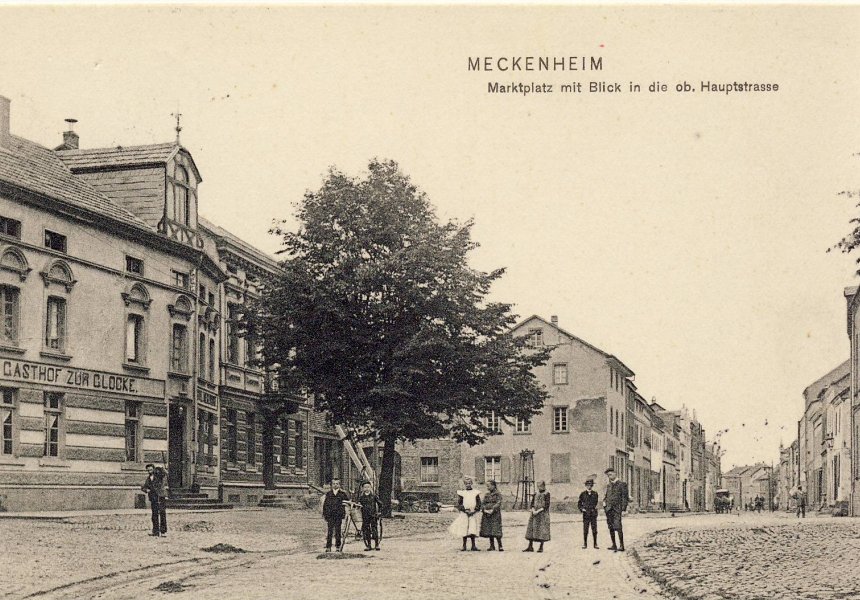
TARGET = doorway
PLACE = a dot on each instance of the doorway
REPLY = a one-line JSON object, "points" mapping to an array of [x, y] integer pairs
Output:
{"points": [[176, 446]]}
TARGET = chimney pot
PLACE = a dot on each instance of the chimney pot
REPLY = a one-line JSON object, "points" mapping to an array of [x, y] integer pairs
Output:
{"points": [[71, 141], [554, 320], [5, 136]]}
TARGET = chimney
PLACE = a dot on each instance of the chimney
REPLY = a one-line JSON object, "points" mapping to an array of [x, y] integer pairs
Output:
{"points": [[5, 136], [70, 138], [554, 320]]}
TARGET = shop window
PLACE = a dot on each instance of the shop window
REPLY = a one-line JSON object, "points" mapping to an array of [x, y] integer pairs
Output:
{"points": [[7, 421], [53, 424], [132, 431]]}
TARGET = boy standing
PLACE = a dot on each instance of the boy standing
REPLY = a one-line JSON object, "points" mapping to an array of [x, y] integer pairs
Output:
{"points": [[333, 513], [588, 507], [615, 502], [370, 506]]}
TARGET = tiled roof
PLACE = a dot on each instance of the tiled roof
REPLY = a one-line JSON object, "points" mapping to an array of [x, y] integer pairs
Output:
{"points": [[118, 156], [32, 167], [239, 243]]}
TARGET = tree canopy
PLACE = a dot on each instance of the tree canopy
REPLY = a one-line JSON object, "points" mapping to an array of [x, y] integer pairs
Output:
{"points": [[379, 315]]}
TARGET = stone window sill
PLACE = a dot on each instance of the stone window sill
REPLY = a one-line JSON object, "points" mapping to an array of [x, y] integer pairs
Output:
{"points": [[55, 355], [12, 349], [10, 461], [561, 432], [54, 462], [526, 432], [179, 375], [135, 367], [133, 466]]}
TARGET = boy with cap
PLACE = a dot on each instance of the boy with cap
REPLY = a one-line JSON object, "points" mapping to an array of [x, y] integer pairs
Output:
{"points": [[588, 507]]}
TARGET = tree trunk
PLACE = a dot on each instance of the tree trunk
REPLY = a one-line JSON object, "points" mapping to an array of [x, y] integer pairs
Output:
{"points": [[386, 476]]}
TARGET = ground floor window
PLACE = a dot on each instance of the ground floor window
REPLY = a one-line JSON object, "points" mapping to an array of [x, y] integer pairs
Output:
{"points": [[53, 423], [493, 468], [7, 420], [132, 431], [232, 436], [429, 469]]}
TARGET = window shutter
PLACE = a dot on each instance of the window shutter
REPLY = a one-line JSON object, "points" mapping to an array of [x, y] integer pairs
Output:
{"points": [[480, 463], [560, 468], [516, 468], [506, 469]]}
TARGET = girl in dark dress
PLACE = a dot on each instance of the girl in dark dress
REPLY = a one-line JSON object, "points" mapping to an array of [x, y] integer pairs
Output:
{"points": [[491, 523], [538, 527]]}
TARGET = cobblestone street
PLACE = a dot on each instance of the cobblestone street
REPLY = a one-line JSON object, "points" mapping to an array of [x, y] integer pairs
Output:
{"points": [[694, 556]]}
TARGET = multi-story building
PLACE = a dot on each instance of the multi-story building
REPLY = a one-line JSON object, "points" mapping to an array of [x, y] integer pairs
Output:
{"points": [[580, 432], [641, 485], [747, 482], [123, 348], [824, 439]]}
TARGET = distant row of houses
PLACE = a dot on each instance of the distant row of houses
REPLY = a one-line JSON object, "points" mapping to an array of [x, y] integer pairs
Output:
{"points": [[822, 459], [595, 418]]}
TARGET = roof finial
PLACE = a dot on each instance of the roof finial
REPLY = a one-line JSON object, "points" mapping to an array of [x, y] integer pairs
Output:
{"points": [[178, 116]]}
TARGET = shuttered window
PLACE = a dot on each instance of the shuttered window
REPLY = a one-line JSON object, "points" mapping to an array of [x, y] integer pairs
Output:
{"points": [[560, 468]]}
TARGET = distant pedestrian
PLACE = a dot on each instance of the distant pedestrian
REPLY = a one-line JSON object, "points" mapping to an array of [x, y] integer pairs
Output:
{"points": [[588, 507], [333, 512], [800, 498], [538, 529], [370, 506], [467, 525], [759, 503], [156, 488], [615, 502], [491, 520]]}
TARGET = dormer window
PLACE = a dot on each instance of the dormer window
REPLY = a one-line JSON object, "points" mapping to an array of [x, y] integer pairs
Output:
{"points": [[181, 207]]}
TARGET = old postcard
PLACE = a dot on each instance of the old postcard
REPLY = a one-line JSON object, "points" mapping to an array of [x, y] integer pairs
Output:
{"points": [[441, 301]]}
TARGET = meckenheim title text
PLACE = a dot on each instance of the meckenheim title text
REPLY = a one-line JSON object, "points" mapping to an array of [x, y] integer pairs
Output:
{"points": [[535, 63]]}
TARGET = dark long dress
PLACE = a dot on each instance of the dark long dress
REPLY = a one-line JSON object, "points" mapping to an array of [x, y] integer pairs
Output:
{"points": [[491, 523], [538, 527]]}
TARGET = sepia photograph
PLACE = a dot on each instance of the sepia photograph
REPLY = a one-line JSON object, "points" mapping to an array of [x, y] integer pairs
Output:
{"points": [[440, 301]]}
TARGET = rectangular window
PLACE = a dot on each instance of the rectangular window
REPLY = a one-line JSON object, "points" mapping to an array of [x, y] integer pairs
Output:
{"points": [[10, 227], [285, 443], [55, 241], [9, 297], [201, 356], [202, 423], [560, 468], [179, 349], [232, 436], [535, 338], [53, 423], [132, 431], [233, 334], [559, 374], [211, 299], [559, 421], [212, 361], [493, 468], [202, 293], [134, 265], [180, 279], [611, 420], [134, 339], [523, 426], [251, 432], [299, 441], [55, 324], [7, 417], [493, 422], [429, 471]]}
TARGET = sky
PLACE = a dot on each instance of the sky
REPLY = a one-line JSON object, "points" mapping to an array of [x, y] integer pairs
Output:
{"points": [[685, 233]]}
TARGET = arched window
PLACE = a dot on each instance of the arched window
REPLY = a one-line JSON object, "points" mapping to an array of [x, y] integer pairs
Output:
{"points": [[180, 196]]}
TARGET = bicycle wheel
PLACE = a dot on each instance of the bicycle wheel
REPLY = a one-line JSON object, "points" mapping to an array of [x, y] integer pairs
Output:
{"points": [[344, 534]]}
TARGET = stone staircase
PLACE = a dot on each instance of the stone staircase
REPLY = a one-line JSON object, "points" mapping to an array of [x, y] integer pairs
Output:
{"points": [[276, 500], [188, 500]]}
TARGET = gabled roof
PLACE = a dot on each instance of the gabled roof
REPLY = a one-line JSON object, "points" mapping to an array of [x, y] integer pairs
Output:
{"points": [[811, 393], [93, 159], [36, 169], [609, 357], [252, 253]]}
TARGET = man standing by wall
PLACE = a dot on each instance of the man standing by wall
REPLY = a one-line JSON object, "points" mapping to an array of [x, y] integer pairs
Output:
{"points": [[615, 502], [155, 487], [333, 513]]}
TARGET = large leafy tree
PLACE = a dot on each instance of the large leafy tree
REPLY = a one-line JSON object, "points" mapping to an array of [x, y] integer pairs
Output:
{"points": [[378, 314]]}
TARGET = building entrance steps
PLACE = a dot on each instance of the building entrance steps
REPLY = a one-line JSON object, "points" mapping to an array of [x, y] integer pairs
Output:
{"points": [[276, 500], [183, 499]]}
